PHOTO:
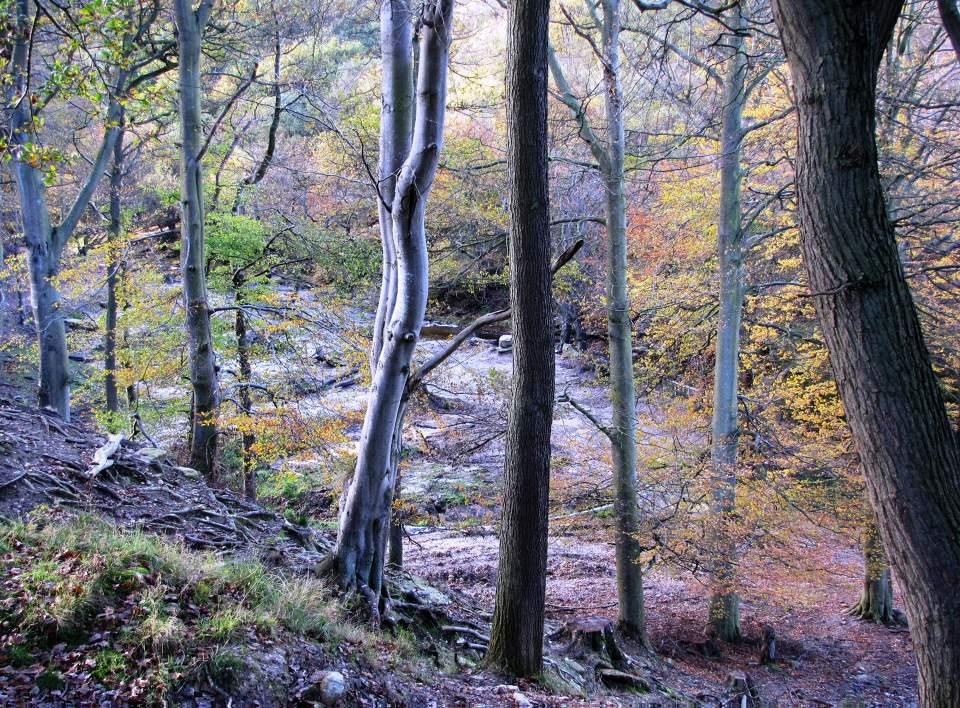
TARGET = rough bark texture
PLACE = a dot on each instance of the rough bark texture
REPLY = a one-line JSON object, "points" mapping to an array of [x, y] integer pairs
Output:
{"points": [[724, 603], [358, 558], [909, 453], [516, 638], [45, 242], [950, 13], [203, 367]]}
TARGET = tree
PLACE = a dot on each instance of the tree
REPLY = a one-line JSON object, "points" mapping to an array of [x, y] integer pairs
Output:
{"points": [[203, 363], [725, 604], [622, 431], [46, 242], [516, 638], [908, 449], [358, 558]]}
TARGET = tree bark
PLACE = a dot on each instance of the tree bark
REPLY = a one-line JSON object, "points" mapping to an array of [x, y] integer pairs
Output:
{"points": [[203, 368], [623, 430], [396, 126], [516, 638], [45, 242], [909, 453], [876, 600], [724, 603], [247, 439], [114, 271], [620, 335], [358, 558]]}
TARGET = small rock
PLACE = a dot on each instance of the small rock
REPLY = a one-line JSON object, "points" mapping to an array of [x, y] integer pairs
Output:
{"points": [[188, 472], [521, 700], [153, 453], [505, 343], [332, 687], [506, 688]]}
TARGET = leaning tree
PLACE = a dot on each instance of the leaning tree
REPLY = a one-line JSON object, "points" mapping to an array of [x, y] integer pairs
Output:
{"points": [[893, 402]]}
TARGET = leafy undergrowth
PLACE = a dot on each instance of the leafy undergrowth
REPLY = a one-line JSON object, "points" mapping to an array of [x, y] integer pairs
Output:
{"points": [[90, 611]]}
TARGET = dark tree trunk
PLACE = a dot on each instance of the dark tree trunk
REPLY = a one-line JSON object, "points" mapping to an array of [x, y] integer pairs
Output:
{"points": [[114, 271], [516, 638], [248, 439], [909, 453]]}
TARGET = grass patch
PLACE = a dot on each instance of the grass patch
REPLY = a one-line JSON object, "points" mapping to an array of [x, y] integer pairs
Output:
{"points": [[143, 607]]}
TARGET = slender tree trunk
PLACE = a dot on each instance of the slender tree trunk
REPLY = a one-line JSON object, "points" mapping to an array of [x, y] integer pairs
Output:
{"points": [[358, 558], [203, 369], [516, 637], [248, 439], [45, 243], [724, 603], [909, 452], [396, 130], [623, 432], [114, 271]]}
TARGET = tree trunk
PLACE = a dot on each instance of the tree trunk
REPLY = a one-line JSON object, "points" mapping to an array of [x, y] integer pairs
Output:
{"points": [[724, 603], [516, 637], [396, 126], [203, 369], [247, 438], [909, 453], [876, 600], [114, 271], [620, 334], [358, 558], [45, 243]]}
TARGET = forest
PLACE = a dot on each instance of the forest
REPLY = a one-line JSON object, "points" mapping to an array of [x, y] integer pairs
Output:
{"points": [[480, 353]]}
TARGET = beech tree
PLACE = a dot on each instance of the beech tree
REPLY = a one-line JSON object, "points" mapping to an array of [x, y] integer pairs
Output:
{"points": [[893, 402], [30, 160], [623, 429], [357, 560], [203, 363], [516, 638]]}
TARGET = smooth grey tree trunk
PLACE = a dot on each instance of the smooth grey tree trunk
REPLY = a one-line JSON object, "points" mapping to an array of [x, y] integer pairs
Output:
{"points": [[622, 432], [358, 558], [203, 367], [45, 242], [516, 637], [724, 603], [396, 132], [620, 335], [907, 446]]}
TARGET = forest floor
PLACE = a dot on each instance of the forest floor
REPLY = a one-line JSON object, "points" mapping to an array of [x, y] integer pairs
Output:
{"points": [[828, 657], [451, 484]]}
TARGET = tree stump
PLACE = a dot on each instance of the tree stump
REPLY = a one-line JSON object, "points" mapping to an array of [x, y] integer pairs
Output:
{"points": [[593, 636], [768, 645]]}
